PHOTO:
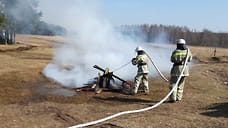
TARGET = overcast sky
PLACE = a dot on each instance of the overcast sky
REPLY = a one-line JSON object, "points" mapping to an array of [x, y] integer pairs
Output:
{"points": [[195, 14]]}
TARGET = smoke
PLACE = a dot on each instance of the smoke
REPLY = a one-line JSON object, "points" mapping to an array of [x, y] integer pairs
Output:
{"points": [[162, 38], [92, 40], [21, 14], [24, 17]]}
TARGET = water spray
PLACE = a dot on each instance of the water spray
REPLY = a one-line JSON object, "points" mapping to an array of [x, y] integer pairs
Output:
{"points": [[117, 69]]}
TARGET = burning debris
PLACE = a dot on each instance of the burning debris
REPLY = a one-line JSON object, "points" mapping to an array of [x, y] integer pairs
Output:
{"points": [[105, 82]]}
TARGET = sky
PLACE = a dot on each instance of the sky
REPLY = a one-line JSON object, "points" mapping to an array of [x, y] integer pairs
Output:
{"points": [[195, 14]]}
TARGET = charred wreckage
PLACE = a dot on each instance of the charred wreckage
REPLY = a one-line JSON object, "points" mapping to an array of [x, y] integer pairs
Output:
{"points": [[105, 82]]}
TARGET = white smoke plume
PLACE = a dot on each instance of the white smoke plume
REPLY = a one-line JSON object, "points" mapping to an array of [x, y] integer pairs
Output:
{"points": [[93, 40]]}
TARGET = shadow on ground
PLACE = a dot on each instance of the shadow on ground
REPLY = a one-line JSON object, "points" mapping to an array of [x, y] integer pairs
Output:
{"points": [[121, 99], [217, 110]]}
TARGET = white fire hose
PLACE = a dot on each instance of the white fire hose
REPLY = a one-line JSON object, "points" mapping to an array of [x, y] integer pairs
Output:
{"points": [[139, 110], [159, 72]]}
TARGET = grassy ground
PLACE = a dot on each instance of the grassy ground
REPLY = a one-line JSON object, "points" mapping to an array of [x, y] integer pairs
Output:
{"points": [[23, 102]]}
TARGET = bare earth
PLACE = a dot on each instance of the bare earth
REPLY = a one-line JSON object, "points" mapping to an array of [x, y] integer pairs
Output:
{"points": [[26, 100]]}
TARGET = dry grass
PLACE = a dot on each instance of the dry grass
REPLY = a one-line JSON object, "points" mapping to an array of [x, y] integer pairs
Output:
{"points": [[24, 105]]}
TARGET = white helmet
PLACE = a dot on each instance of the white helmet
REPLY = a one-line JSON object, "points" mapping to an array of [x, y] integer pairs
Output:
{"points": [[139, 49], [180, 41]]}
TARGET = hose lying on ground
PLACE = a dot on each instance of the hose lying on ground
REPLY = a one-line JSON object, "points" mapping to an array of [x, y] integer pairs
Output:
{"points": [[140, 110]]}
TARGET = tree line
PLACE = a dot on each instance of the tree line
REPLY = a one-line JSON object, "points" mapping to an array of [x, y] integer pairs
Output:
{"points": [[151, 33], [24, 17]]}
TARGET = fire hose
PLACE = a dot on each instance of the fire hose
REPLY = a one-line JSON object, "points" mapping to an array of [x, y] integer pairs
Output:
{"points": [[139, 110], [151, 60], [159, 72]]}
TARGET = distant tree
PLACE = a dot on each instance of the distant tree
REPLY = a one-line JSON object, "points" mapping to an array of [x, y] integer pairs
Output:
{"points": [[21, 14], [2, 19], [24, 17], [2, 16], [149, 33]]}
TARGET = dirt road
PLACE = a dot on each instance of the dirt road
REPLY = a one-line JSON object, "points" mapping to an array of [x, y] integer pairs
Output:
{"points": [[28, 99]]}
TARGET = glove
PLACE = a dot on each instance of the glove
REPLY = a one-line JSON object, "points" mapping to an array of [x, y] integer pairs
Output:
{"points": [[134, 61]]}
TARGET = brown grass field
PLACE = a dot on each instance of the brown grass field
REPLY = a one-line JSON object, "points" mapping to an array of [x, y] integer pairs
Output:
{"points": [[25, 103]]}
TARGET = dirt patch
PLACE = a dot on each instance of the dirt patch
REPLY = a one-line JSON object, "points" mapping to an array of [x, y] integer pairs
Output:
{"points": [[221, 59], [107, 125], [64, 117], [19, 49]]}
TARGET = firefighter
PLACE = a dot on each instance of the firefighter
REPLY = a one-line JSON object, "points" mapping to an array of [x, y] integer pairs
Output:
{"points": [[142, 74], [178, 58]]}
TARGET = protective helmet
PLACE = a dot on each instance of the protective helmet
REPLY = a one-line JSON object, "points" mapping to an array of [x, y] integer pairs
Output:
{"points": [[139, 49], [180, 41]]}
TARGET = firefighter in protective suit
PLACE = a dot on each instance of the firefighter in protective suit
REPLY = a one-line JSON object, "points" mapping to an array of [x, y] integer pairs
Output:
{"points": [[178, 58], [142, 74]]}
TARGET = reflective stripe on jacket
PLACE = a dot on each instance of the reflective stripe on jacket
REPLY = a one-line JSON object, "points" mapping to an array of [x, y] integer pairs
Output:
{"points": [[142, 63], [178, 58]]}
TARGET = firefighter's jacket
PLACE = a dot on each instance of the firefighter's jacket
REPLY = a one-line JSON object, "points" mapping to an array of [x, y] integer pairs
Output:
{"points": [[178, 59], [141, 61]]}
